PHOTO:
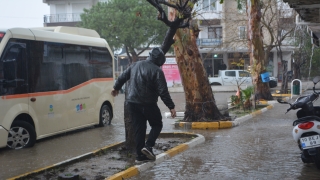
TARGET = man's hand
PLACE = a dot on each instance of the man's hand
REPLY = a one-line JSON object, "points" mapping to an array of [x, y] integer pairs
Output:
{"points": [[114, 93], [173, 113]]}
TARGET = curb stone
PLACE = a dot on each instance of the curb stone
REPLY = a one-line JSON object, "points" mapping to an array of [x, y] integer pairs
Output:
{"points": [[242, 119], [132, 171], [223, 124]]}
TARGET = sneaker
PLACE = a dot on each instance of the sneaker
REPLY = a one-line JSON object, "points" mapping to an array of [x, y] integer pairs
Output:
{"points": [[142, 159], [148, 152]]}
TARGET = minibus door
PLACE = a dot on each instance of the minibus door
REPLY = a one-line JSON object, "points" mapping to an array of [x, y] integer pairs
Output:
{"points": [[47, 102]]}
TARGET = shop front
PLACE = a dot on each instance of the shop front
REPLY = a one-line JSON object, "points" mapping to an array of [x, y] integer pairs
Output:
{"points": [[213, 63]]}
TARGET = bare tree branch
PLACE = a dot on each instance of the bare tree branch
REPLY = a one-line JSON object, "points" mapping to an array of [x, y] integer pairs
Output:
{"points": [[179, 22], [147, 46]]}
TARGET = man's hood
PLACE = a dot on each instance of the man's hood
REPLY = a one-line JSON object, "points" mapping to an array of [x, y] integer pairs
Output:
{"points": [[157, 56]]}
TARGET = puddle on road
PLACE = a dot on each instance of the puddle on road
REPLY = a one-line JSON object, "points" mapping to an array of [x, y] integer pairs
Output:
{"points": [[254, 150]]}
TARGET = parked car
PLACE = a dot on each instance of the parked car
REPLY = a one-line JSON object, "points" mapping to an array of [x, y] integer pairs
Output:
{"points": [[231, 77]]}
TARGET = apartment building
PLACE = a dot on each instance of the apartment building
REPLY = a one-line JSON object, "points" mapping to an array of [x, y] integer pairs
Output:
{"points": [[66, 12], [222, 40], [223, 37]]}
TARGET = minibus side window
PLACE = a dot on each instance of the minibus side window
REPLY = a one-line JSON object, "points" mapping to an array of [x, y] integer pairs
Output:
{"points": [[77, 67], [101, 61], [13, 66]]}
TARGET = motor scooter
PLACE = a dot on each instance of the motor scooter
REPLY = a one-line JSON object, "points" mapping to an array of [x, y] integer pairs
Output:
{"points": [[306, 131]]}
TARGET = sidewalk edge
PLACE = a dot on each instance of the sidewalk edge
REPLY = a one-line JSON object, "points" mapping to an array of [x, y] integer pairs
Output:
{"points": [[135, 170], [222, 124], [68, 161]]}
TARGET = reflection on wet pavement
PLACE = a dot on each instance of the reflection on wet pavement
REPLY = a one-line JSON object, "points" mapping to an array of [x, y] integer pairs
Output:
{"points": [[261, 148]]}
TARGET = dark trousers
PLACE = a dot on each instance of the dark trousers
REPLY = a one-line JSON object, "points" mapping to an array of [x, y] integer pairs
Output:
{"points": [[140, 114]]}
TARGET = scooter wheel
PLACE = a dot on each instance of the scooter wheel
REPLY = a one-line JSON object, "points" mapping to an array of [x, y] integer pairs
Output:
{"points": [[305, 159], [316, 158]]}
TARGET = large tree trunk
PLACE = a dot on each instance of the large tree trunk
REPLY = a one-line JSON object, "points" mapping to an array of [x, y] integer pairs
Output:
{"points": [[284, 85], [257, 61], [200, 102]]}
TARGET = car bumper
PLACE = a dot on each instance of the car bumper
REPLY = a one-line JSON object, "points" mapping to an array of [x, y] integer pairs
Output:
{"points": [[3, 137]]}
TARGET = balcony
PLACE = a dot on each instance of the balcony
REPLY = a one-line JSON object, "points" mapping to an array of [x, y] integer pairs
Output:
{"points": [[60, 18], [286, 13], [209, 42], [71, 19], [289, 41]]}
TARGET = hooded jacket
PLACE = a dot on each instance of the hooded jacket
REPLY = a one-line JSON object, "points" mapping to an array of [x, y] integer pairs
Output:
{"points": [[147, 81]]}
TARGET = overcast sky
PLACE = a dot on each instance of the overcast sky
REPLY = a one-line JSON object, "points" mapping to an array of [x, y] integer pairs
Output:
{"points": [[22, 13]]}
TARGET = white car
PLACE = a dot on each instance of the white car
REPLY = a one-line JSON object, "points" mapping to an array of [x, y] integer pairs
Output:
{"points": [[231, 77]]}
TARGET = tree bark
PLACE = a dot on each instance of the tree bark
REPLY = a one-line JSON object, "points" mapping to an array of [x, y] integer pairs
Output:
{"points": [[200, 102], [284, 85], [257, 61]]}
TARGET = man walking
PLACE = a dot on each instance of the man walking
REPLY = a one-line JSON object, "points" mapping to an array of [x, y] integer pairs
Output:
{"points": [[147, 83]]}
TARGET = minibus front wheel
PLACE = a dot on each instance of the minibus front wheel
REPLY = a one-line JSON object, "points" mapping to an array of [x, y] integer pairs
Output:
{"points": [[21, 135], [105, 116]]}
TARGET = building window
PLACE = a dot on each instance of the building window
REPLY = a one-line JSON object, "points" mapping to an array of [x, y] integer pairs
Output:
{"points": [[214, 32], [209, 5], [242, 8], [242, 32]]}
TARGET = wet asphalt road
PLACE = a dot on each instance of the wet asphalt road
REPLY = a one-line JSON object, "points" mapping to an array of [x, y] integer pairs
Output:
{"points": [[55, 149], [261, 148]]}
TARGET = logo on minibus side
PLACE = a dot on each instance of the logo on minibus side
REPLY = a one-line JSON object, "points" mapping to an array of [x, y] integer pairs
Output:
{"points": [[51, 113], [80, 107]]}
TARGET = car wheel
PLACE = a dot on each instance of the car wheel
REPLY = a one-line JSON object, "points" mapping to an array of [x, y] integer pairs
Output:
{"points": [[21, 135], [215, 84], [105, 116]]}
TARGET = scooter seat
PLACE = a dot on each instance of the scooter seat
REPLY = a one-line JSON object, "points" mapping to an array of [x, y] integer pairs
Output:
{"points": [[306, 119]]}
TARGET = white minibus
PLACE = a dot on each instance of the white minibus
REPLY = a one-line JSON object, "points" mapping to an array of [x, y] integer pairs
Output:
{"points": [[52, 80]]}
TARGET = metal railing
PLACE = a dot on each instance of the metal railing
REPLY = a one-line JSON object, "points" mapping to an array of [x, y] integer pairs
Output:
{"points": [[209, 42], [55, 18], [289, 41], [286, 13]]}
